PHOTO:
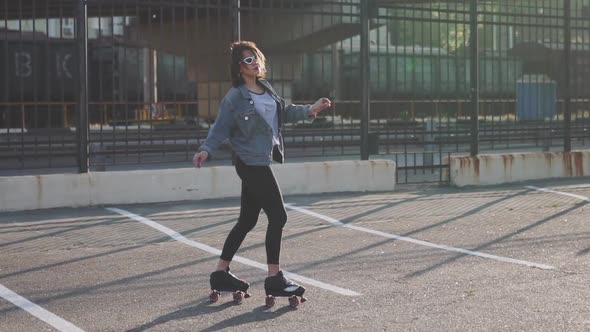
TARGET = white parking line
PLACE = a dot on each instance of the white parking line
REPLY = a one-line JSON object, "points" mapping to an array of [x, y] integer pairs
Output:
{"points": [[178, 237], [420, 242], [37, 311], [584, 198]]}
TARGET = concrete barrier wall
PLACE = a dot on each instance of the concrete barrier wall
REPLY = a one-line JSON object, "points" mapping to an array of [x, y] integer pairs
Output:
{"points": [[489, 169], [148, 186]]}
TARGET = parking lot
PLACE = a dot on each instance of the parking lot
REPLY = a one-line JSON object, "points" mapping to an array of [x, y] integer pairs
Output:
{"points": [[424, 258]]}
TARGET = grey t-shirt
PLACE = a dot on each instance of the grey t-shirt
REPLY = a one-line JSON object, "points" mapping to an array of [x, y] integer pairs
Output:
{"points": [[266, 107]]}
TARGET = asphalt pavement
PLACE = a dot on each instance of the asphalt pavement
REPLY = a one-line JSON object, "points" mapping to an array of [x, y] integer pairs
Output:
{"points": [[420, 258]]}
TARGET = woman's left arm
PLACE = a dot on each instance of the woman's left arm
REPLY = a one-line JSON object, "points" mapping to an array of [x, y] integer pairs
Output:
{"points": [[295, 113]]}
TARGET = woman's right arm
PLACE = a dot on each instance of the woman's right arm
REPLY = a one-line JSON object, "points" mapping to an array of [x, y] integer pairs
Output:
{"points": [[219, 132]]}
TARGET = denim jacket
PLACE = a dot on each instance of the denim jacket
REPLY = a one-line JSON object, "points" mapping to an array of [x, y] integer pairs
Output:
{"points": [[249, 134]]}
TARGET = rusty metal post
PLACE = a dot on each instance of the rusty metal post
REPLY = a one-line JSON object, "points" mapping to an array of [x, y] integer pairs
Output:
{"points": [[474, 89], [235, 14], [567, 96], [365, 67], [82, 126]]}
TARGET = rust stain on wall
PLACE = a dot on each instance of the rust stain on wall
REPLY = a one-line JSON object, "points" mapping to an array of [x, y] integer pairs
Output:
{"points": [[507, 160], [566, 159], [466, 162], [578, 163], [573, 163], [549, 158], [39, 188]]}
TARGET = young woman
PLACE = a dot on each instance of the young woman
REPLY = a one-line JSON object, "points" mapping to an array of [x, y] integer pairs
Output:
{"points": [[251, 115]]}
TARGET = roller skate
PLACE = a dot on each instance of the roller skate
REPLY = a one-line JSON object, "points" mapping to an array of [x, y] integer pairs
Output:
{"points": [[225, 281], [280, 286]]}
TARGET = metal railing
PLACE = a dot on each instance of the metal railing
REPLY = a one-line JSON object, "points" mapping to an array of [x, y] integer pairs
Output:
{"points": [[400, 74]]}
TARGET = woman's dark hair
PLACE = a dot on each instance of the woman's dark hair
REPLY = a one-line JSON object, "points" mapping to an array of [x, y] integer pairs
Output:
{"points": [[236, 49]]}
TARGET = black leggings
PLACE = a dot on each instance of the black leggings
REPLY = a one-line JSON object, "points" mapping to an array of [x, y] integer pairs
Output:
{"points": [[260, 191]]}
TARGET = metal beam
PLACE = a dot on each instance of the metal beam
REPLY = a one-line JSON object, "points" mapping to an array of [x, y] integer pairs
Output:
{"points": [[365, 67], [236, 20], [474, 88], [567, 51], [82, 126], [395, 3]]}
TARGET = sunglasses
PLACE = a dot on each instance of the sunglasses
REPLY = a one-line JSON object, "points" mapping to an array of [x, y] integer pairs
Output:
{"points": [[249, 60]]}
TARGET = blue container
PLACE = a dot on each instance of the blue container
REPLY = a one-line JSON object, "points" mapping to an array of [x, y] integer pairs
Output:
{"points": [[536, 97]]}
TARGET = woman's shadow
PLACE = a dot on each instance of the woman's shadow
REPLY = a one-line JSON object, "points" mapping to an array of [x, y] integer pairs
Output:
{"points": [[204, 307]]}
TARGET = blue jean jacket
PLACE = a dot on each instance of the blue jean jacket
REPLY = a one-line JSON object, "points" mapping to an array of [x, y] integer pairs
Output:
{"points": [[249, 134]]}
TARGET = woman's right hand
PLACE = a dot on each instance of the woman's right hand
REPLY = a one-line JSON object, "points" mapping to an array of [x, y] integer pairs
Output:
{"points": [[199, 158]]}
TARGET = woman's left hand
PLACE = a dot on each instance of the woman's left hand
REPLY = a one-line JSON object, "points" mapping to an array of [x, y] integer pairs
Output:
{"points": [[320, 105]]}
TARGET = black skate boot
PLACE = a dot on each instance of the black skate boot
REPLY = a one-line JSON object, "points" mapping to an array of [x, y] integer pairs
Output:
{"points": [[225, 281], [280, 286]]}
